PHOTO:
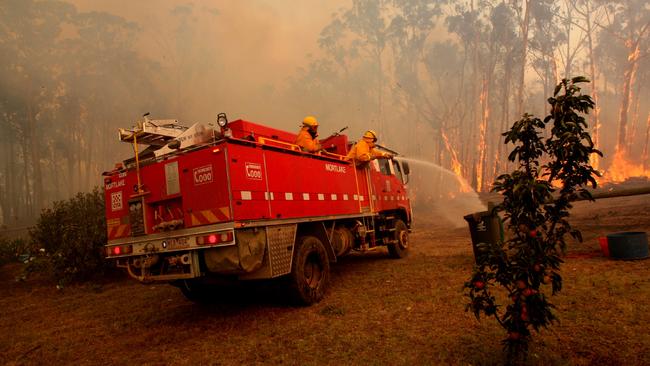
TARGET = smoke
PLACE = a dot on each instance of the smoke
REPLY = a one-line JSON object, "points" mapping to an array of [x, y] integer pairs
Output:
{"points": [[234, 56], [436, 80]]}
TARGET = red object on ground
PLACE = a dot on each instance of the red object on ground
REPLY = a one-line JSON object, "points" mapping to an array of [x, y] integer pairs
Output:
{"points": [[604, 245]]}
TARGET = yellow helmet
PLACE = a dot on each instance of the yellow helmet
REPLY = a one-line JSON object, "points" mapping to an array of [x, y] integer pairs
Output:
{"points": [[370, 134], [310, 121]]}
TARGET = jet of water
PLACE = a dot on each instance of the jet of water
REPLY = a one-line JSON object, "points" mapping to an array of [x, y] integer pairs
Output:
{"points": [[438, 192]]}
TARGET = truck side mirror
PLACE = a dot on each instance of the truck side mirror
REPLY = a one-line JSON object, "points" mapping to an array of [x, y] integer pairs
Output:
{"points": [[406, 168]]}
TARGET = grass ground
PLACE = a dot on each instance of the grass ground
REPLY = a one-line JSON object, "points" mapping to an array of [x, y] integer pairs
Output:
{"points": [[378, 312]]}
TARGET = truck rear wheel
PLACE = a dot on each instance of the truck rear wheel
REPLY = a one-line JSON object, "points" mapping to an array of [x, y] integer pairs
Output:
{"points": [[196, 291], [399, 247], [310, 272]]}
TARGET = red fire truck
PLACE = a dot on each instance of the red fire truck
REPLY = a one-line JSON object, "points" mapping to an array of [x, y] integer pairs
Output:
{"points": [[241, 201]]}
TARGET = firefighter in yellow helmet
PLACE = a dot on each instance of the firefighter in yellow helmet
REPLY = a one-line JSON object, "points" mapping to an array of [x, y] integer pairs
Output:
{"points": [[364, 150], [307, 137]]}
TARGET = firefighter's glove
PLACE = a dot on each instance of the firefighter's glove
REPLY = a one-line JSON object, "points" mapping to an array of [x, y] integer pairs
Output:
{"points": [[388, 156]]}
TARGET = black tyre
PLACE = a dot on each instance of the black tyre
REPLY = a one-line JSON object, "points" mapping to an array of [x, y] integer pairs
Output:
{"points": [[310, 272], [196, 291], [399, 248]]}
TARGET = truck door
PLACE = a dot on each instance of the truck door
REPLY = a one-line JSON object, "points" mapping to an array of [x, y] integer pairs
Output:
{"points": [[401, 178], [389, 191]]}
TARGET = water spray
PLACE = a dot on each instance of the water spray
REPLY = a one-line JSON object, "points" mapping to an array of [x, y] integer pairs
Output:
{"points": [[441, 192]]}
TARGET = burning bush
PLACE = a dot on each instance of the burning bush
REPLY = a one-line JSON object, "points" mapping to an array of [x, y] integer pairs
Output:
{"points": [[72, 234], [536, 216]]}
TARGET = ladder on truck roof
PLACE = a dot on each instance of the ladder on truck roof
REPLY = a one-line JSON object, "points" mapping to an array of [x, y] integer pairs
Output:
{"points": [[152, 132]]}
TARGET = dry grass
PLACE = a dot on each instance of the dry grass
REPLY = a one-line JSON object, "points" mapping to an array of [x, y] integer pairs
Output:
{"points": [[378, 311]]}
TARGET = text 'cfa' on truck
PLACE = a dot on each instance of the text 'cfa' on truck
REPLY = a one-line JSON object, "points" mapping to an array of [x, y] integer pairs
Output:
{"points": [[241, 202]]}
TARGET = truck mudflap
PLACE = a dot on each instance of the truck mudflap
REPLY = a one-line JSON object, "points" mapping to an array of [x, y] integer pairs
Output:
{"points": [[261, 252], [246, 256]]}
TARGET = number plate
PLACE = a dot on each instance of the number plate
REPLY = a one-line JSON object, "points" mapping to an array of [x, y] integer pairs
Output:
{"points": [[176, 243]]}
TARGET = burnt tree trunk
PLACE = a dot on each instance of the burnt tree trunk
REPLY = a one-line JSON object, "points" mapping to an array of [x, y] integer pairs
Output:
{"points": [[35, 159], [626, 93], [27, 206], [524, 51], [595, 116], [483, 129], [645, 145], [505, 119], [634, 106]]}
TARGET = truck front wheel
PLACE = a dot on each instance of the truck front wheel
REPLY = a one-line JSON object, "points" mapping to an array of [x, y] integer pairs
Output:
{"points": [[310, 272], [400, 243]]}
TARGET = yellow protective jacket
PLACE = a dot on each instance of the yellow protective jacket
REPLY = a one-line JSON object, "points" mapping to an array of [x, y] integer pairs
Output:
{"points": [[364, 151], [306, 142]]}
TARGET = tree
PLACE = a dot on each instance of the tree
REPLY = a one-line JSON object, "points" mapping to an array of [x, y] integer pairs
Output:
{"points": [[29, 34], [589, 15], [536, 217], [630, 27], [59, 93], [523, 16], [104, 54], [545, 42], [490, 34]]}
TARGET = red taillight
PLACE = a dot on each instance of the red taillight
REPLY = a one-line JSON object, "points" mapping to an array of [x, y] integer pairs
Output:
{"points": [[215, 238], [120, 250]]}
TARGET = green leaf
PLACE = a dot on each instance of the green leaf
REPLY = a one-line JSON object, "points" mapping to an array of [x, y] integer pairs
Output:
{"points": [[579, 79]]}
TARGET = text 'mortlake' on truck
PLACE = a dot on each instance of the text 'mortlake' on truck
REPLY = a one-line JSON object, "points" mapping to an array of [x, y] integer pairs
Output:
{"points": [[241, 201]]}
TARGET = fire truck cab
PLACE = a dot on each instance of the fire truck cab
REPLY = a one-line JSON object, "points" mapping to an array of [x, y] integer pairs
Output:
{"points": [[241, 201]]}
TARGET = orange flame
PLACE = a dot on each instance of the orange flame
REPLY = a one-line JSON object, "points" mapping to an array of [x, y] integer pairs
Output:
{"points": [[621, 169], [456, 166]]}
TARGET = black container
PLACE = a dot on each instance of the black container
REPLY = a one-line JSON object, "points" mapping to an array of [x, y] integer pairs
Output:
{"points": [[628, 245], [485, 228]]}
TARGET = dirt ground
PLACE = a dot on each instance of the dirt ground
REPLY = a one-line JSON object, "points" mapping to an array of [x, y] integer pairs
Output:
{"points": [[378, 311]]}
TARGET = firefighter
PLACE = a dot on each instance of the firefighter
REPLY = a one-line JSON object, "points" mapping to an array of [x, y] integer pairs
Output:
{"points": [[307, 137], [364, 150]]}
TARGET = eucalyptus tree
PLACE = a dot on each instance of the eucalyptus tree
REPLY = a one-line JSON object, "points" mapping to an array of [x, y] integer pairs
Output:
{"points": [[331, 40], [588, 13], [546, 41], [626, 42], [488, 35], [63, 76], [522, 11], [357, 44], [30, 31], [367, 25], [190, 58], [102, 74], [418, 84]]}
